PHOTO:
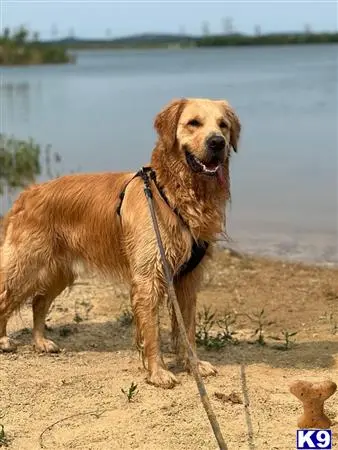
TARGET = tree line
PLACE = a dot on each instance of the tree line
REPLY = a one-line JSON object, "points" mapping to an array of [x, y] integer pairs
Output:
{"points": [[24, 47], [207, 40], [267, 39], [21, 46]]}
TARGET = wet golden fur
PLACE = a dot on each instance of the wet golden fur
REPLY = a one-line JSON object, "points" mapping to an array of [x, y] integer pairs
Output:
{"points": [[55, 228]]}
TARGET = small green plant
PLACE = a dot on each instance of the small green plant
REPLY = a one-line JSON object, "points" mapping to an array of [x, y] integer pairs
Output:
{"points": [[131, 392], [3, 437], [126, 317], [77, 318], [206, 321], [286, 341], [225, 324], [214, 342], [260, 320], [19, 163]]}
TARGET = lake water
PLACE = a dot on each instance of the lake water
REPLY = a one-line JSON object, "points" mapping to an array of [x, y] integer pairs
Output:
{"points": [[98, 115]]}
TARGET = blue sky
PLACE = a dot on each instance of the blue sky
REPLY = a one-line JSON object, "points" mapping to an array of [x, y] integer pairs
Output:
{"points": [[92, 18]]}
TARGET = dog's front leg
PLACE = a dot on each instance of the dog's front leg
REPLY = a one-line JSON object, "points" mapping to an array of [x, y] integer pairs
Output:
{"points": [[145, 298], [186, 292]]}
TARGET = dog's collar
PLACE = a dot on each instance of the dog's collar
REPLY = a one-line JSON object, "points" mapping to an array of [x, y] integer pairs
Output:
{"points": [[199, 247]]}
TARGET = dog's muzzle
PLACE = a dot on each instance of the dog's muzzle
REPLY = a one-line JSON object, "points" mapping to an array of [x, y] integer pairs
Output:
{"points": [[205, 167], [215, 149]]}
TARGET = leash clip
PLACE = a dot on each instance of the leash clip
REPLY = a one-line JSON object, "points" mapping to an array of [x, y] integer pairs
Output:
{"points": [[145, 173]]}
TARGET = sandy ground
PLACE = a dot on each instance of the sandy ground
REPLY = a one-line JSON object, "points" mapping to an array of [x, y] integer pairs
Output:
{"points": [[74, 398]]}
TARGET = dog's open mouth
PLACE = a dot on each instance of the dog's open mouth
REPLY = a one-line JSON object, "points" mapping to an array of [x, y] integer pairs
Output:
{"points": [[208, 168], [212, 168]]}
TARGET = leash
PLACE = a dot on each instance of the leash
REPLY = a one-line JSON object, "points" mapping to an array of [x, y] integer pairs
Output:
{"points": [[172, 296], [248, 420]]}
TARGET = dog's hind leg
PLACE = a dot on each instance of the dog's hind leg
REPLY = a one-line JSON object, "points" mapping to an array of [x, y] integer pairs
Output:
{"points": [[10, 300], [14, 288], [7, 306], [41, 304], [6, 344], [29, 270]]}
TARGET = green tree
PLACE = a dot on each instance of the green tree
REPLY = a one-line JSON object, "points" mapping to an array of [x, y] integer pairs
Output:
{"points": [[20, 37], [19, 163], [36, 36], [6, 33]]}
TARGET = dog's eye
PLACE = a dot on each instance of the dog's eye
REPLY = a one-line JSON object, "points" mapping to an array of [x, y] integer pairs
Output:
{"points": [[223, 124], [194, 123]]}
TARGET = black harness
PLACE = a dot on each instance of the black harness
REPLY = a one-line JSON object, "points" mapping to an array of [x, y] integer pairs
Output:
{"points": [[199, 247]]}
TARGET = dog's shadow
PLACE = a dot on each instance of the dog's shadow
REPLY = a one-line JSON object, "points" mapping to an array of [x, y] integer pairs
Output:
{"points": [[113, 337], [84, 336]]}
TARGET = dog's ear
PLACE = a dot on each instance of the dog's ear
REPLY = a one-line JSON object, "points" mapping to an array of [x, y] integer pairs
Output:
{"points": [[166, 121], [235, 124], [235, 131]]}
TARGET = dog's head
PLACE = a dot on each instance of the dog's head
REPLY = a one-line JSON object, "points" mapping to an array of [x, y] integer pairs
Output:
{"points": [[202, 131]]}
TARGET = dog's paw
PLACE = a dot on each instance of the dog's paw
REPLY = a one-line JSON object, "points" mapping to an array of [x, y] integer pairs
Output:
{"points": [[162, 378], [46, 346], [7, 344], [206, 369]]}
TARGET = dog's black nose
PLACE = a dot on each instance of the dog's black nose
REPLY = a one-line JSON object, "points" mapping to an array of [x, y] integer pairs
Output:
{"points": [[216, 143]]}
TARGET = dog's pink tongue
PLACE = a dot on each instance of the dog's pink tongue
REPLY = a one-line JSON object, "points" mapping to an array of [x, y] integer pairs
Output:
{"points": [[221, 176]]}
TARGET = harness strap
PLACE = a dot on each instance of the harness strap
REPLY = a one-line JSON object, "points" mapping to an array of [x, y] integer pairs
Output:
{"points": [[141, 173], [199, 248], [122, 194], [198, 252]]}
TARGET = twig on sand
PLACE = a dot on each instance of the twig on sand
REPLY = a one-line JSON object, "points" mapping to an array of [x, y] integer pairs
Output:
{"points": [[89, 413]]}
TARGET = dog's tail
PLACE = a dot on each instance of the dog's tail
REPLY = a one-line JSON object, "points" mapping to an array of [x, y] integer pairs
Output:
{"points": [[7, 302], [3, 292], [2, 234]]}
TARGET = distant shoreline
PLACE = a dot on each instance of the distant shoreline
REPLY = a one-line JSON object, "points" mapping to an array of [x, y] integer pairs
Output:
{"points": [[154, 41], [23, 49]]}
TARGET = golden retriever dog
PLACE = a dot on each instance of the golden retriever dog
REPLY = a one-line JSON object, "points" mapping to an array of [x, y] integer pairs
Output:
{"points": [[82, 220]]}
